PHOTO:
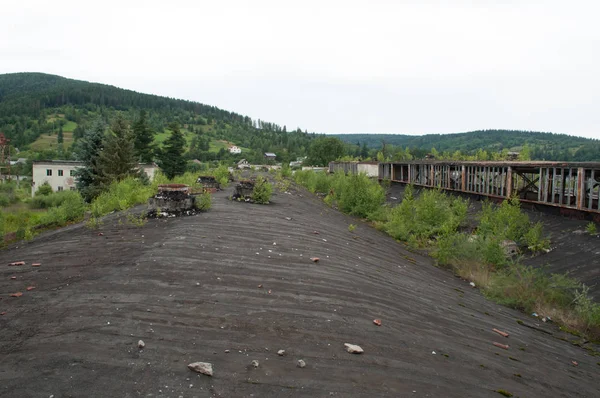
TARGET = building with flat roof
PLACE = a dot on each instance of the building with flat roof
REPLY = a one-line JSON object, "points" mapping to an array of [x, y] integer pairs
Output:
{"points": [[60, 174]]}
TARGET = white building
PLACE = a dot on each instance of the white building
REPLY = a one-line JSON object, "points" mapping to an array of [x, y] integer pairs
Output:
{"points": [[235, 149], [60, 174]]}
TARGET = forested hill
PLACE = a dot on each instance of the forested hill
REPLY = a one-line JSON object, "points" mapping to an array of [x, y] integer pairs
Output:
{"points": [[34, 107], [542, 146]]}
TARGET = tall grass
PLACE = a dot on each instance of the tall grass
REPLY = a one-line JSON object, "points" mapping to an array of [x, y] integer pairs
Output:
{"points": [[121, 196], [432, 215]]}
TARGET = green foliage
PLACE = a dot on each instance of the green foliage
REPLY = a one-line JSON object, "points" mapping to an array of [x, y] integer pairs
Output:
{"points": [[262, 191], [591, 228], [203, 202], [121, 195], [221, 173], [504, 222], [44, 190], [88, 150], [351, 227], [434, 213], [143, 139], [324, 150], [10, 193], [529, 288], [508, 222], [71, 209], [137, 220], [313, 181], [357, 194], [504, 392], [587, 309], [51, 200], [171, 158], [117, 160]]}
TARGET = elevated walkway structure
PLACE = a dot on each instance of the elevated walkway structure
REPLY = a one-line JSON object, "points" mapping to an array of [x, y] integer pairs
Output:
{"points": [[561, 184]]}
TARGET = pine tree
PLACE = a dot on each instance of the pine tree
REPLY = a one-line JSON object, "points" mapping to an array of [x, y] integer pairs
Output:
{"points": [[171, 158], [143, 139], [60, 139], [87, 150], [117, 161]]}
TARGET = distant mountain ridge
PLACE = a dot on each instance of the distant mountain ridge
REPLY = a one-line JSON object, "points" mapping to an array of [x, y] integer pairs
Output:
{"points": [[548, 146]]}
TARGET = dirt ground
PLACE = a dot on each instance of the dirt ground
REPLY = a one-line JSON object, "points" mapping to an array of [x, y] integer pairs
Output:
{"points": [[189, 288]]}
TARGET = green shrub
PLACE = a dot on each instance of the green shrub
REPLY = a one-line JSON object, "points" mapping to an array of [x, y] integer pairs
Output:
{"points": [[70, 210], [529, 288], [262, 191], [203, 202], [433, 214], [121, 196], [44, 189], [506, 221], [591, 229], [54, 199], [534, 238], [313, 181]]}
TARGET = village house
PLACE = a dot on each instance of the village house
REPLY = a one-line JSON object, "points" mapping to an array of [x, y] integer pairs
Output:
{"points": [[60, 174], [270, 156], [234, 149]]}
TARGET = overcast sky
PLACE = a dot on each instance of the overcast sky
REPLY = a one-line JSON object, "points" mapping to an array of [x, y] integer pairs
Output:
{"points": [[331, 66]]}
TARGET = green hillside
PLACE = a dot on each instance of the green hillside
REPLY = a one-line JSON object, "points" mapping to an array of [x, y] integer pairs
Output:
{"points": [[542, 146], [35, 106]]}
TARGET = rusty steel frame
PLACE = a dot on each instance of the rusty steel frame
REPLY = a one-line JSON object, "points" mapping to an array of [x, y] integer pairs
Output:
{"points": [[559, 184]]}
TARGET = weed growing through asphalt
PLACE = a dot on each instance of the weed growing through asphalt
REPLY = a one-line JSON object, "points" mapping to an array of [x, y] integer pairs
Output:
{"points": [[262, 191], [351, 227], [591, 228], [203, 202]]}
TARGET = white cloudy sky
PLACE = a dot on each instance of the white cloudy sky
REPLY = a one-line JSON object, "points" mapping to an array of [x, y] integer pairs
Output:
{"points": [[331, 66]]}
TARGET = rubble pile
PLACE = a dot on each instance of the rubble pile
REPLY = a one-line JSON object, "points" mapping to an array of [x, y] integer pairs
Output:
{"points": [[243, 190], [171, 200]]}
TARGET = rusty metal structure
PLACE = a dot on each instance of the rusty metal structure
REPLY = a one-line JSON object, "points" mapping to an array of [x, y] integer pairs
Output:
{"points": [[560, 184]]}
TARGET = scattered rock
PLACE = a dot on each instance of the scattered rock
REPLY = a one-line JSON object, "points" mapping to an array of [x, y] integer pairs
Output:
{"points": [[255, 363], [472, 284], [260, 286], [289, 218], [503, 346], [227, 351], [433, 353], [30, 288], [315, 259], [16, 264], [281, 353], [141, 344], [17, 294], [13, 277], [353, 348], [36, 264], [3, 313], [202, 367], [301, 363], [377, 322], [510, 248], [574, 363], [500, 332], [100, 234], [315, 232], [269, 291]]}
